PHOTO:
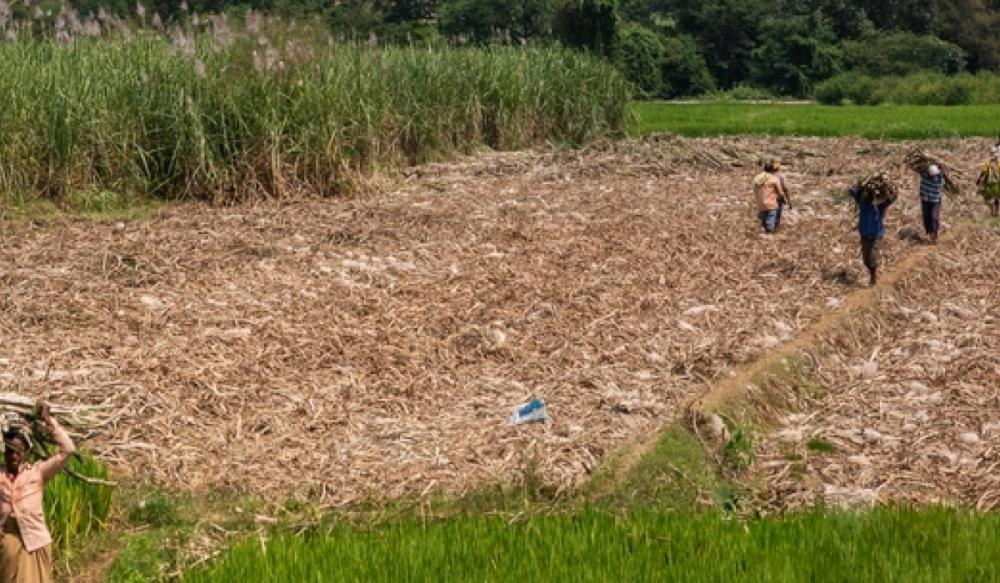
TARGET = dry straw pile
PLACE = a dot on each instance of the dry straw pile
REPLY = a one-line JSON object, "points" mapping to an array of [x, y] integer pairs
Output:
{"points": [[351, 348], [912, 409]]}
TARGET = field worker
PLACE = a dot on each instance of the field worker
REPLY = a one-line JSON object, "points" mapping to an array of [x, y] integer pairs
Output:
{"points": [[988, 182], [25, 555], [779, 171], [871, 227], [769, 190], [931, 183]]}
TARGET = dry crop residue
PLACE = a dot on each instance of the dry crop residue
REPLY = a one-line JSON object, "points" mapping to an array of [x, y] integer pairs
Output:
{"points": [[347, 348], [912, 410]]}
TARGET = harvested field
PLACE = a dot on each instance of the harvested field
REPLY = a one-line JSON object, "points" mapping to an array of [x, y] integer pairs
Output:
{"points": [[339, 349], [912, 405]]}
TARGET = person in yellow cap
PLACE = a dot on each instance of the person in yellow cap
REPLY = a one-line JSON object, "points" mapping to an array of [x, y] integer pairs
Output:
{"points": [[771, 192], [988, 182]]}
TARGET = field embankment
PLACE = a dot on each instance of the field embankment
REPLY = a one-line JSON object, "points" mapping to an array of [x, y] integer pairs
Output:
{"points": [[225, 118], [909, 408]]}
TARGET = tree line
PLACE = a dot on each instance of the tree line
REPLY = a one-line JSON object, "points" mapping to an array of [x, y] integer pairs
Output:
{"points": [[671, 48]]}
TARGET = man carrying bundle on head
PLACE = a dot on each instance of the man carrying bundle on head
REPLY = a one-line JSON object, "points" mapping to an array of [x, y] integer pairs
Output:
{"points": [[873, 195], [24, 554], [931, 184], [771, 191], [988, 182], [935, 178]]}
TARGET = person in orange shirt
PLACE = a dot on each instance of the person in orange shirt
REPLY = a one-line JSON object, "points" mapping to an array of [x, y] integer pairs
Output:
{"points": [[771, 192], [24, 554]]}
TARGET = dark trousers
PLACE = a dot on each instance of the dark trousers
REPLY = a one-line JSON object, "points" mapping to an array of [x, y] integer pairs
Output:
{"points": [[870, 252], [932, 216], [771, 220]]}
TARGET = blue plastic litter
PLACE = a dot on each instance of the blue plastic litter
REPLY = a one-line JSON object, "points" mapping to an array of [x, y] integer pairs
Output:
{"points": [[531, 412]]}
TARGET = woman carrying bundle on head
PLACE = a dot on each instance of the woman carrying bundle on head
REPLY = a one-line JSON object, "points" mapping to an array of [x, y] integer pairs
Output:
{"points": [[988, 182], [24, 555]]}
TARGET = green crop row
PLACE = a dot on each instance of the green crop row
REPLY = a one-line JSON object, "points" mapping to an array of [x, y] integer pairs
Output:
{"points": [[897, 122], [887, 544], [75, 508]]}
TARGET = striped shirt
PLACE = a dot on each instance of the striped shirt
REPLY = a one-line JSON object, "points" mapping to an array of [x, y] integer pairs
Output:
{"points": [[930, 187]]}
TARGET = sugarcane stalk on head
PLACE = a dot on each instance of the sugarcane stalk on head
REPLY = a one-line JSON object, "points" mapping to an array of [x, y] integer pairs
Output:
{"points": [[877, 189], [24, 413], [920, 162]]}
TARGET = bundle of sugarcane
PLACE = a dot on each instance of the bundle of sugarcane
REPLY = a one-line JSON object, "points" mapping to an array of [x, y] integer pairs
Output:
{"points": [[877, 189], [920, 161], [25, 414], [19, 410]]}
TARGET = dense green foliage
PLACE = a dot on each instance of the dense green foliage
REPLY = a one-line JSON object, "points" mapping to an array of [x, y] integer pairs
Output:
{"points": [[684, 69], [902, 53], [785, 47], [642, 56], [482, 20], [588, 24], [149, 116], [795, 52], [789, 47], [916, 89], [884, 121], [879, 545]]}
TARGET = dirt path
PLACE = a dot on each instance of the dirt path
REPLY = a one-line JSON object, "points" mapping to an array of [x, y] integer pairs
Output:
{"points": [[728, 388]]}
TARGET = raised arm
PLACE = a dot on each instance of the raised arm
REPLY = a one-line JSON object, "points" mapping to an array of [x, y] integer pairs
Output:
{"points": [[57, 462]]}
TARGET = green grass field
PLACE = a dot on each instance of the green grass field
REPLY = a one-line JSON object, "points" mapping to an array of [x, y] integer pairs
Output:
{"points": [[934, 544], [895, 122]]}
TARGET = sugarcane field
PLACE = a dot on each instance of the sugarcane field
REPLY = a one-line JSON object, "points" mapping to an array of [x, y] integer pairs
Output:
{"points": [[572, 290]]}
